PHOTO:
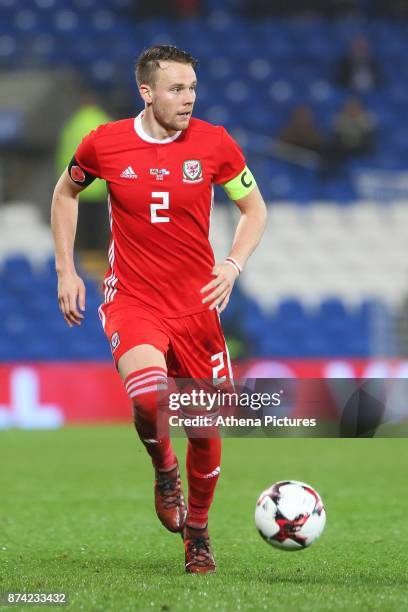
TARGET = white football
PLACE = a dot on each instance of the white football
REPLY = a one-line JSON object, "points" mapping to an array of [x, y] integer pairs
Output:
{"points": [[290, 515]]}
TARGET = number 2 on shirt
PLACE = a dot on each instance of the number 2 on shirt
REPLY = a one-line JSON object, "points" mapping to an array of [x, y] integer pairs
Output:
{"points": [[164, 196]]}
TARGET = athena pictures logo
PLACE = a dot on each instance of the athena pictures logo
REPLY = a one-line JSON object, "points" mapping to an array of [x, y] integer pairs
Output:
{"points": [[192, 171], [115, 341], [77, 174]]}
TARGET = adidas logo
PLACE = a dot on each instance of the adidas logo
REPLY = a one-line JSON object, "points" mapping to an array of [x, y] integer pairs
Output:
{"points": [[129, 173], [213, 474]]}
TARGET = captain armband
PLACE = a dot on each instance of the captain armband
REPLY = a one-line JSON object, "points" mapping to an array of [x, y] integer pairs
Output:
{"points": [[79, 175], [240, 186]]}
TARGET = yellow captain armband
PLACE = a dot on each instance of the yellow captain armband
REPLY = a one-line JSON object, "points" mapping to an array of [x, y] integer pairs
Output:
{"points": [[240, 186]]}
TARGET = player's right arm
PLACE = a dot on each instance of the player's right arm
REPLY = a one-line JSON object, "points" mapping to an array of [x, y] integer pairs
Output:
{"points": [[64, 216], [82, 170]]}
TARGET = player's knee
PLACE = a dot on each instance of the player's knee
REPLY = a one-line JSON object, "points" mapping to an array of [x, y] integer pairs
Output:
{"points": [[144, 388], [144, 407]]}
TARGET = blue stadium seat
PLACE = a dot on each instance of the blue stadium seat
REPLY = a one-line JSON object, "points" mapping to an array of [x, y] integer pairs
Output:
{"points": [[17, 265], [17, 275]]}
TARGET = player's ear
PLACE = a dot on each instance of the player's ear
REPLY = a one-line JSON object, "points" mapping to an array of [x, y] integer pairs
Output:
{"points": [[146, 92]]}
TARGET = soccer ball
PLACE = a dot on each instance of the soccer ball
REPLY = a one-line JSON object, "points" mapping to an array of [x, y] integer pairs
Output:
{"points": [[290, 515]]}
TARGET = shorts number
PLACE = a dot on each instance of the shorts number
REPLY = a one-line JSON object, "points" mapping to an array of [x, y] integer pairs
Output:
{"points": [[216, 369], [164, 205]]}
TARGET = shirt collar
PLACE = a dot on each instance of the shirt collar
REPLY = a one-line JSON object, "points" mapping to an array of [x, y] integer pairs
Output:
{"points": [[142, 134]]}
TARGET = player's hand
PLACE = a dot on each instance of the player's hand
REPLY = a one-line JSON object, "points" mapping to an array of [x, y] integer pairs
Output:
{"points": [[221, 287], [71, 297]]}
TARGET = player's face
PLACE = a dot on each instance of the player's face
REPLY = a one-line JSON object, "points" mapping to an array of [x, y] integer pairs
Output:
{"points": [[173, 95]]}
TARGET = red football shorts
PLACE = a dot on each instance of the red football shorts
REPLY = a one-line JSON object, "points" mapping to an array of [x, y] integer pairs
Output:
{"points": [[194, 345]]}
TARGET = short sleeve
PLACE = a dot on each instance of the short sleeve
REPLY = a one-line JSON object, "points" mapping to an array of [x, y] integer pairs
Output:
{"points": [[85, 155], [230, 159]]}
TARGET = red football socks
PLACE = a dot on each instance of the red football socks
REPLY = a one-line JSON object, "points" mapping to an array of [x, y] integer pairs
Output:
{"points": [[203, 469], [203, 454], [143, 388]]}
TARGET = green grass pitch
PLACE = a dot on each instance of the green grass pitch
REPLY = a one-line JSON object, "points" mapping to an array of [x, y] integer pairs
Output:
{"points": [[76, 515]]}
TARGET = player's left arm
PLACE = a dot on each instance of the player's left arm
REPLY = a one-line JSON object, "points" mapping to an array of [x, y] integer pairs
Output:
{"points": [[243, 191]]}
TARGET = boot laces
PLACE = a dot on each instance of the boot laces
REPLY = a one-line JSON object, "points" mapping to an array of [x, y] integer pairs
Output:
{"points": [[199, 549], [170, 491]]}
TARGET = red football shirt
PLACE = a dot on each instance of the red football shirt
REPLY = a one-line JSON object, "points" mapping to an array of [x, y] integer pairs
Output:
{"points": [[160, 200]]}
